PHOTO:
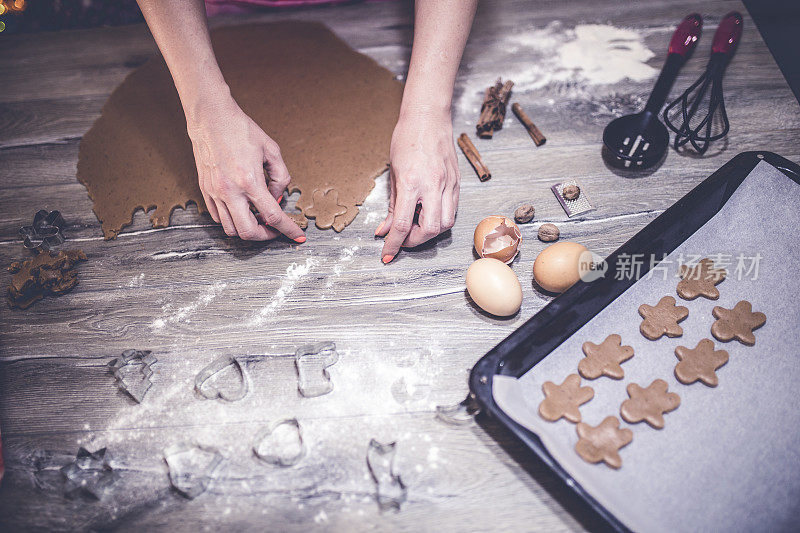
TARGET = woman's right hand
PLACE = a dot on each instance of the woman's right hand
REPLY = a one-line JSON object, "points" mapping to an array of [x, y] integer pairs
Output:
{"points": [[232, 152]]}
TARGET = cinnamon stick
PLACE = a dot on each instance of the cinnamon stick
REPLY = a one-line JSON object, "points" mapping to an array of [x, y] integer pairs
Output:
{"points": [[493, 110], [533, 131], [474, 157]]}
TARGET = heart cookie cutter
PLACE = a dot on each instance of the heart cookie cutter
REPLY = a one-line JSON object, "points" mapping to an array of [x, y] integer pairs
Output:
{"points": [[217, 366]]}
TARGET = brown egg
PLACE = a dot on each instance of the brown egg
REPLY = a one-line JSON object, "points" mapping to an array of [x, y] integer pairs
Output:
{"points": [[497, 237], [556, 269], [494, 287]]}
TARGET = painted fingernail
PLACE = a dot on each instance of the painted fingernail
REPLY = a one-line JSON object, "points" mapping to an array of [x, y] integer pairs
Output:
{"points": [[387, 258], [280, 198], [300, 239], [377, 231]]}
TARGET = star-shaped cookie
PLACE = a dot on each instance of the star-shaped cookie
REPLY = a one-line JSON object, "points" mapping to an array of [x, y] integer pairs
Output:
{"points": [[604, 358], [737, 323], [563, 400], [662, 319], [649, 404], [602, 443], [699, 363], [700, 280]]}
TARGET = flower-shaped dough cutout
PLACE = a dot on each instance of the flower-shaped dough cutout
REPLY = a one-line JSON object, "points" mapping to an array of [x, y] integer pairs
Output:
{"points": [[562, 401], [737, 323], [662, 319], [699, 363], [325, 207], [700, 280], [649, 404], [604, 359], [602, 443]]}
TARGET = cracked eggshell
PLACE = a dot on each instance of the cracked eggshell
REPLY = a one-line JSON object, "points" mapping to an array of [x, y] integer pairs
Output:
{"points": [[557, 268], [494, 287], [497, 237]]}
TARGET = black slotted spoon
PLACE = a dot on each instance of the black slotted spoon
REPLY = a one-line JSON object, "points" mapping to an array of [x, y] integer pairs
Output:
{"points": [[640, 140]]}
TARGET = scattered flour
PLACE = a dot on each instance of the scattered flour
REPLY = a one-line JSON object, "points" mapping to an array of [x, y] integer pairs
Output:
{"points": [[566, 60], [294, 273], [346, 256], [183, 313]]}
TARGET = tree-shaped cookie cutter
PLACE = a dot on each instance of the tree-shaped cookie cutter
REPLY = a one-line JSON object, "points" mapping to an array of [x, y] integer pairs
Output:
{"points": [[128, 358]]}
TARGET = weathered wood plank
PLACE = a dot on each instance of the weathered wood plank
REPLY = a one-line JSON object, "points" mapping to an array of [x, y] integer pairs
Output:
{"points": [[191, 294], [455, 475]]}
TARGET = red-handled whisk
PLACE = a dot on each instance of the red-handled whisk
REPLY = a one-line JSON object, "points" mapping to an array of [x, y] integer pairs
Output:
{"points": [[700, 133]]}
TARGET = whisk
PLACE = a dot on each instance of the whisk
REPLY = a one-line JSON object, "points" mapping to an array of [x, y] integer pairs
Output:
{"points": [[701, 134]]}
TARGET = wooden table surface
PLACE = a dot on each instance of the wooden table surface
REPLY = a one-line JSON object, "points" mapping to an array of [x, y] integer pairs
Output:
{"points": [[406, 333]]}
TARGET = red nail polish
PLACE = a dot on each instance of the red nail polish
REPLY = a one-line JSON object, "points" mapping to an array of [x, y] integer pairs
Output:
{"points": [[280, 198], [387, 258], [377, 231], [300, 240]]}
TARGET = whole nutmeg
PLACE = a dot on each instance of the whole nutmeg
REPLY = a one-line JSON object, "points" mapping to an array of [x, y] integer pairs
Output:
{"points": [[571, 192], [548, 233], [524, 214]]}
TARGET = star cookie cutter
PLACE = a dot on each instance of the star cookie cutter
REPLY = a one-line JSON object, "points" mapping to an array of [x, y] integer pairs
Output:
{"points": [[45, 232], [124, 368], [89, 473], [210, 392]]}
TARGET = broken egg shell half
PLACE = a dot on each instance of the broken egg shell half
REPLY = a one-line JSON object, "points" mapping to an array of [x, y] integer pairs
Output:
{"points": [[557, 267], [497, 237], [494, 287]]}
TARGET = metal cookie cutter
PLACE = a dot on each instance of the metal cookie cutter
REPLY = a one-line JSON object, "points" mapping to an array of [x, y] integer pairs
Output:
{"points": [[210, 392], [45, 232], [133, 370], [280, 444]]}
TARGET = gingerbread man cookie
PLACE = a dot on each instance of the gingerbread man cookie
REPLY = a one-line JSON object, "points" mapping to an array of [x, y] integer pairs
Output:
{"points": [[699, 363], [737, 323], [649, 404], [662, 319], [700, 280], [604, 359], [562, 401], [602, 443]]}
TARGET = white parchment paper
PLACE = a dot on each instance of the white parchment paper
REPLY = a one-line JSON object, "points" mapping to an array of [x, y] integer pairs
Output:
{"points": [[728, 458]]}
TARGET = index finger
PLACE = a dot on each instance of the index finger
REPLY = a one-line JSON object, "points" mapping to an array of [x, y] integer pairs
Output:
{"points": [[273, 216], [403, 217]]}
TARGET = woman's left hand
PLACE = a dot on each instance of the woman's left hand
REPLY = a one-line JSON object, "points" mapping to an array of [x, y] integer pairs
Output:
{"points": [[424, 171]]}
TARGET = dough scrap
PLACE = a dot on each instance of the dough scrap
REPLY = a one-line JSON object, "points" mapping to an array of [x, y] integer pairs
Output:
{"points": [[330, 109], [49, 273]]}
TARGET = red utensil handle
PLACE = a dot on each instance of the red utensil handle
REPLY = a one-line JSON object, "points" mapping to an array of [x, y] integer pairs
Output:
{"points": [[686, 35], [728, 34]]}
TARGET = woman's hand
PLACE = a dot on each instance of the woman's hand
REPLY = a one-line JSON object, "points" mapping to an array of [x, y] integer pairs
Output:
{"points": [[231, 153], [424, 170]]}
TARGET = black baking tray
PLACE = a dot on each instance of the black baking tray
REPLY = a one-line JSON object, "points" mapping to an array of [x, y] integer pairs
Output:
{"points": [[558, 320]]}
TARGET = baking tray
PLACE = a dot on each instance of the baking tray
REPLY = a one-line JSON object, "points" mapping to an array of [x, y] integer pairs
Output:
{"points": [[555, 323]]}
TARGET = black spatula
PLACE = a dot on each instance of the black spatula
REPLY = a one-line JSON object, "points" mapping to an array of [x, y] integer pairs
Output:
{"points": [[640, 140]]}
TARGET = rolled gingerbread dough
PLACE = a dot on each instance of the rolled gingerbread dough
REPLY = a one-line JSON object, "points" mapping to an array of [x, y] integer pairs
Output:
{"points": [[331, 110]]}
